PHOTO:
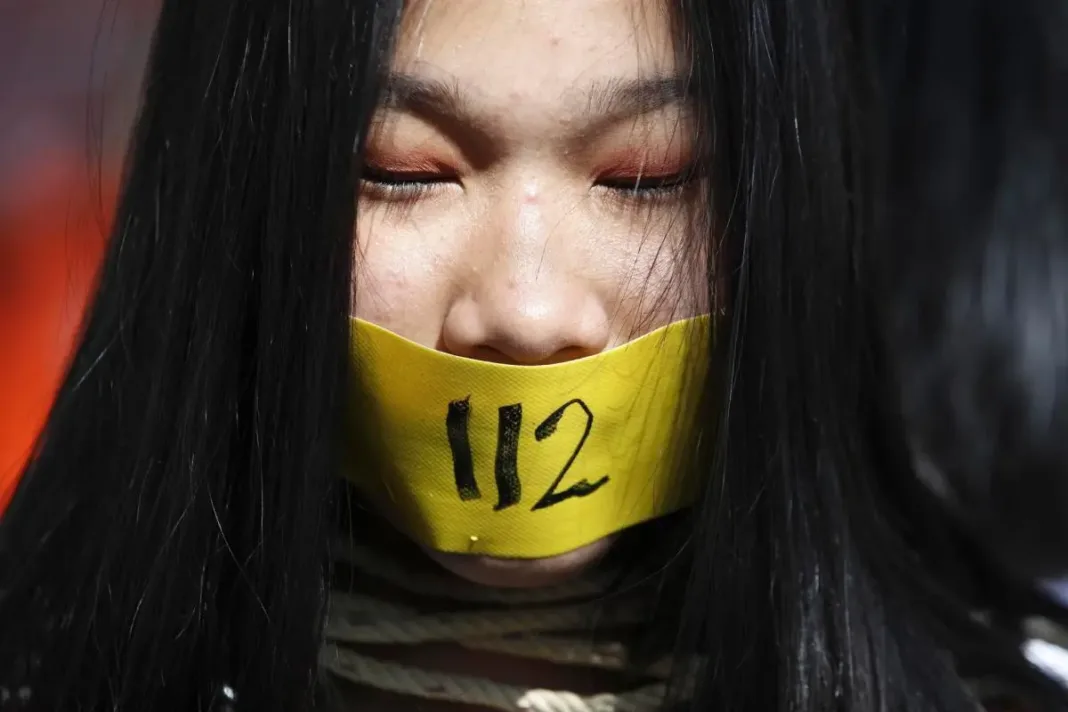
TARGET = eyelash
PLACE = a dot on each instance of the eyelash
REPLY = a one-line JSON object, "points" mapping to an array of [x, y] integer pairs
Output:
{"points": [[643, 189], [402, 186]]}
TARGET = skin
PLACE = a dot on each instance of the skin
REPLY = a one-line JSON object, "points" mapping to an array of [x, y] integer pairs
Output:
{"points": [[528, 214]]}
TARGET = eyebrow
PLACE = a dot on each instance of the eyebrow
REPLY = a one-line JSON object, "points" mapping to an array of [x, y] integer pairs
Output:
{"points": [[601, 100]]}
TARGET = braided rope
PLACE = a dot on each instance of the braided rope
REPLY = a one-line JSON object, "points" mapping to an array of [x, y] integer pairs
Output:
{"points": [[394, 627], [520, 630], [356, 609], [532, 633], [568, 651], [431, 685]]}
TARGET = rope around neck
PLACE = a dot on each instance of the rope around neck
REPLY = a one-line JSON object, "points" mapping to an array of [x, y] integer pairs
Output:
{"points": [[430, 685], [522, 630]]}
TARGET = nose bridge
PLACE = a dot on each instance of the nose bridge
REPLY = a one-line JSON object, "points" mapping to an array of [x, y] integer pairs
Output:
{"points": [[527, 231], [527, 300]]}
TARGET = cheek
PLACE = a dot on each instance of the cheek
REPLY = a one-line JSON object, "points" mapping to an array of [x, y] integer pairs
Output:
{"points": [[657, 269], [401, 279]]}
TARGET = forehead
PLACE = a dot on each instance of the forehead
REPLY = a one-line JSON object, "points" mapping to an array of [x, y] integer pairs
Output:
{"points": [[524, 50]]}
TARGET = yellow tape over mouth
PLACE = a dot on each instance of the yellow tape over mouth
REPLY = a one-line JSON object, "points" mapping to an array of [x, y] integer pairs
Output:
{"points": [[474, 457]]}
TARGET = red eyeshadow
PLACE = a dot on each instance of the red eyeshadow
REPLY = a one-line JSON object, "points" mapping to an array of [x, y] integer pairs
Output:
{"points": [[646, 164], [406, 163]]}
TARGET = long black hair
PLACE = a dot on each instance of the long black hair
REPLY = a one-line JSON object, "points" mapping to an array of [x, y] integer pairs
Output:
{"points": [[812, 568], [970, 264], [169, 542], [974, 259], [169, 539]]}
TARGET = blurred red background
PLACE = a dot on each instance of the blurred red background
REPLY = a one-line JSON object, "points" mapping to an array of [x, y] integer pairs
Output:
{"points": [[70, 72]]}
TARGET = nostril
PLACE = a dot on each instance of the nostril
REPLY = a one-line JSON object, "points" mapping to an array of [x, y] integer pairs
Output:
{"points": [[525, 334]]}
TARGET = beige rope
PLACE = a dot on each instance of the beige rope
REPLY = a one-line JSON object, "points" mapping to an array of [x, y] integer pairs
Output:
{"points": [[564, 650], [535, 633], [550, 633], [431, 685], [355, 609], [392, 627], [568, 651]]}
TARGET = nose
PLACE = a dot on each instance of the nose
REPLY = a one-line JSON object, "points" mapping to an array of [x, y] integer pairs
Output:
{"points": [[529, 297], [524, 326]]}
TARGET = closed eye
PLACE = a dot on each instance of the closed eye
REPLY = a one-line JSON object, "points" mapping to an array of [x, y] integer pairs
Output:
{"points": [[647, 183], [403, 185], [411, 185], [648, 187]]}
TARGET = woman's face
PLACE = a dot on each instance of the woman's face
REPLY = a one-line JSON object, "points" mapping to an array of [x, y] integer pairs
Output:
{"points": [[525, 197]]}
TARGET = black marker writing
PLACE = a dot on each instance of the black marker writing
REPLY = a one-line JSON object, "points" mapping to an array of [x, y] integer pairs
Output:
{"points": [[462, 465], [509, 420], [583, 487], [506, 464]]}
